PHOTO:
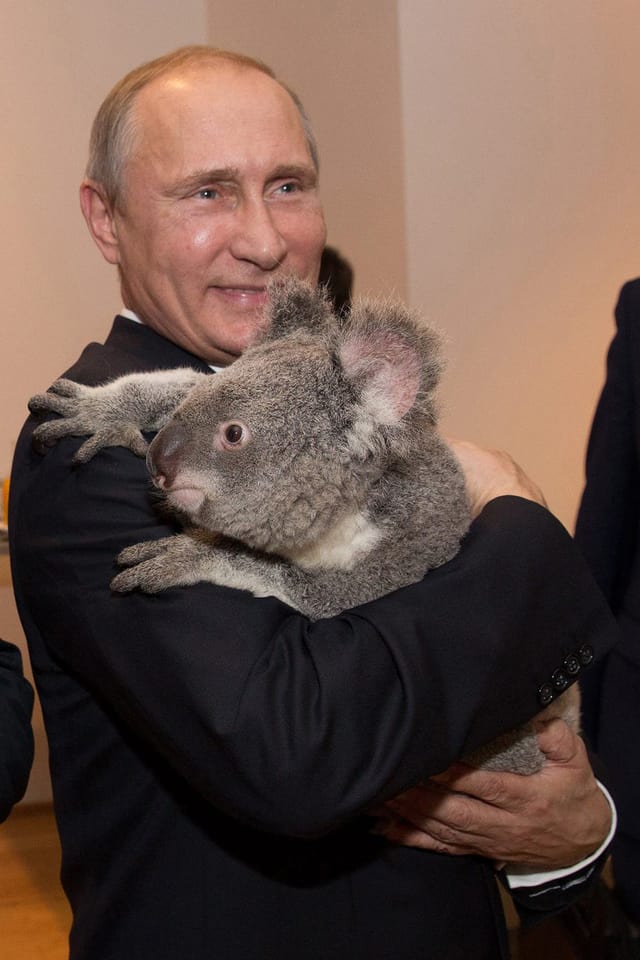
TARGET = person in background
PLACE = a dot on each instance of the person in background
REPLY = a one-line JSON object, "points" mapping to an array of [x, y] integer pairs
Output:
{"points": [[216, 756], [16, 735], [336, 274], [608, 533]]}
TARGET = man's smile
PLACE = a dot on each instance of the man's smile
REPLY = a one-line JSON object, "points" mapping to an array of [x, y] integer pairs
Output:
{"points": [[243, 296]]}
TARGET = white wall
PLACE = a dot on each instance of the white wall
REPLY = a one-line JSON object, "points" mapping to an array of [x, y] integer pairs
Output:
{"points": [[59, 58], [522, 144], [341, 57]]}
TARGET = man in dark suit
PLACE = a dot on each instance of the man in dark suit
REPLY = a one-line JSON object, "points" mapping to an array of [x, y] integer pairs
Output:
{"points": [[214, 756], [607, 531], [16, 737]]}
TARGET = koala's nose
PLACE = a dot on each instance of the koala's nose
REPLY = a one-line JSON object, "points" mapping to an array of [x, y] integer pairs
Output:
{"points": [[164, 455]]}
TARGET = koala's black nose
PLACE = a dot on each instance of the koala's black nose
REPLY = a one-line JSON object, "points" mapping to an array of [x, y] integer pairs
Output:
{"points": [[165, 455]]}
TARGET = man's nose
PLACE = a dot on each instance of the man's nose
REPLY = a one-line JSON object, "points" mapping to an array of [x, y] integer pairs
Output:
{"points": [[257, 238]]}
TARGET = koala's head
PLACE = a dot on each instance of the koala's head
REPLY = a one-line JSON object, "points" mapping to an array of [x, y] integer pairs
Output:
{"points": [[291, 438]]}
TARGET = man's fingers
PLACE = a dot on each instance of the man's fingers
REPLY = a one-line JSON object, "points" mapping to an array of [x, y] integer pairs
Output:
{"points": [[445, 815], [497, 789], [558, 742], [492, 473], [397, 830]]}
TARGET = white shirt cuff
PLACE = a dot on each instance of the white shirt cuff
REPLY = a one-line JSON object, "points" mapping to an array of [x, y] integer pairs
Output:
{"points": [[521, 877]]}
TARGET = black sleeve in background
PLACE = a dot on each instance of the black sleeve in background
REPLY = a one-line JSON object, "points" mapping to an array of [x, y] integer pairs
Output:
{"points": [[607, 522], [606, 526], [16, 737]]}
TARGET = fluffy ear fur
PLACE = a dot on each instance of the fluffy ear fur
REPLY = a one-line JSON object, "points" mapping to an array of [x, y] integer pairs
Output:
{"points": [[393, 359], [296, 307]]}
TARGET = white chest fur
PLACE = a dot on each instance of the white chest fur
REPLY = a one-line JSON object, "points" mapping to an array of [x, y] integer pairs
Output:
{"points": [[342, 545]]}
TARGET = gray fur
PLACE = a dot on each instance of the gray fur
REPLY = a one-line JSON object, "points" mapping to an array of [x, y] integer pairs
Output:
{"points": [[339, 492]]}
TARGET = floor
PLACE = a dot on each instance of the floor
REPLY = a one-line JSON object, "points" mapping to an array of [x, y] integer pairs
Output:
{"points": [[34, 915]]}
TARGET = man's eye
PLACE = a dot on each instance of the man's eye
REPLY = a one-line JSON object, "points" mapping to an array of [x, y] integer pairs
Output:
{"points": [[288, 188], [207, 193]]}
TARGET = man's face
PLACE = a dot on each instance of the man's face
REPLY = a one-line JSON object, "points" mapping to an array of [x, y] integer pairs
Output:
{"points": [[219, 195]]}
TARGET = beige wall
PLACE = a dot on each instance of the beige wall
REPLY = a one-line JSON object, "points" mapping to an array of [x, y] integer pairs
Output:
{"points": [[522, 139], [342, 59], [58, 60]]}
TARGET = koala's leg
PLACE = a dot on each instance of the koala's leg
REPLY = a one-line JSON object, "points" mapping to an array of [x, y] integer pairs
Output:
{"points": [[114, 414]]}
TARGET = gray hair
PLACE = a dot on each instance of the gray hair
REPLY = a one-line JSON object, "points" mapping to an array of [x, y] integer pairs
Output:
{"points": [[113, 129]]}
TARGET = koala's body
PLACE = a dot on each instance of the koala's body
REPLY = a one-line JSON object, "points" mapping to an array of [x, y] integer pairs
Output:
{"points": [[310, 469]]}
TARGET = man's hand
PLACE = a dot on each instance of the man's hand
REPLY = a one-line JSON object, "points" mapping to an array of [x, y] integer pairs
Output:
{"points": [[492, 473], [551, 819]]}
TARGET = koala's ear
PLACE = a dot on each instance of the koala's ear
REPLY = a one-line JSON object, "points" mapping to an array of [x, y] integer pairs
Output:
{"points": [[294, 305], [393, 359]]}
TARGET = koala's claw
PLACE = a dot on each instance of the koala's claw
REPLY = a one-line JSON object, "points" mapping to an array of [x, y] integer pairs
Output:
{"points": [[124, 435], [156, 565], [143, 576], [81, 412], [56, 399], [43, 440], [146, 550], [46, 435], [147, 568]]}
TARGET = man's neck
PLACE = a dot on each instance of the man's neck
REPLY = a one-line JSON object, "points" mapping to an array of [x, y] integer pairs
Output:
{"points": [[131, 315]]}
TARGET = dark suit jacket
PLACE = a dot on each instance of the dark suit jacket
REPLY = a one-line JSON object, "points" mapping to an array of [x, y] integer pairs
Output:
{"points": [[16, 738], [608, 533], [212, 752]]}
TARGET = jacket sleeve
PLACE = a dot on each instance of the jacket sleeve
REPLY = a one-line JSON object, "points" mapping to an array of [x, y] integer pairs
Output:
{"points": [[607, 522], [16, 737], [289, 725], [606, 527]]}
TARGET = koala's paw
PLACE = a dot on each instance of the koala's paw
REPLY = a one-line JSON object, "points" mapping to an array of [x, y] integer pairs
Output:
{"points": [[83, 410], [156, 565], [60, 398], [124, 435]]}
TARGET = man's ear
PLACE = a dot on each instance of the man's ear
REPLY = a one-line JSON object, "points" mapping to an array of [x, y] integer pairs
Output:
{"points": [[98, 214]]}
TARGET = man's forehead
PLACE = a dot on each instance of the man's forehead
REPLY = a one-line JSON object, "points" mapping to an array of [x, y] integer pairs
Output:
{"points": [[203, 118], [214, 83]]}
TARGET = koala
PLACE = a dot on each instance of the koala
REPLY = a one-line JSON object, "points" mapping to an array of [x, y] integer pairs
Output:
{"points": [[310, 469]]}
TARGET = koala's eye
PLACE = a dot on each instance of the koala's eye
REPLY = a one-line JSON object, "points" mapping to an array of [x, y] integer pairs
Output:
{"points": [[232, 435]]}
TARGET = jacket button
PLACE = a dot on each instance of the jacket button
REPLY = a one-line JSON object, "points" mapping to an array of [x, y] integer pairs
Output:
{"points": [[572, 665], [585, 653], [545, 694], [560, 680]]}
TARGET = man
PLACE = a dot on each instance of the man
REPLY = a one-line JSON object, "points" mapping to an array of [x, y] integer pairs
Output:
{"points": [[16, 736], [213, 755], [607, 533]]}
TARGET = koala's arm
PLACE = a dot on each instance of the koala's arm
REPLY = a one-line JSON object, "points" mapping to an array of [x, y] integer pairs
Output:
{"points": [[113, 414]]}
